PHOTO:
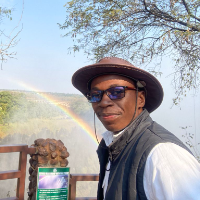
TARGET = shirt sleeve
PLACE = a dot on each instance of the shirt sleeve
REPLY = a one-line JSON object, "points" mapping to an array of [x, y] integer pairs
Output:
{"points": [[171, 173]]}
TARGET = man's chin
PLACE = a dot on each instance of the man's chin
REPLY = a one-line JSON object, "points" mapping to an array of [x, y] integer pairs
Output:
{"points": [[113, 128]]}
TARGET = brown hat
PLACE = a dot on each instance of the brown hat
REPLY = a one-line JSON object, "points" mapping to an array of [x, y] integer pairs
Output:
{"points": [[111, 65]]}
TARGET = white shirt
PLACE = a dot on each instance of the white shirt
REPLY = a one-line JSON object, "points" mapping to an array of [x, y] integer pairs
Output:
{"points": [[171, 173]]}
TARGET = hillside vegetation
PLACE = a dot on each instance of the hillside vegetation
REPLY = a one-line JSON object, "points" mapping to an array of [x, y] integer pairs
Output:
{"points": [[22, 108]]}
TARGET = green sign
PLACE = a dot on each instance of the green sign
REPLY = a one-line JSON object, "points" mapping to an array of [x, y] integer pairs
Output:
{"points": [[53, 183]]}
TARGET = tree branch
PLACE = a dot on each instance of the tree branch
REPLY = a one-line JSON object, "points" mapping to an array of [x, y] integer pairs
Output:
{"points": [[188, 10], [166, 17]]}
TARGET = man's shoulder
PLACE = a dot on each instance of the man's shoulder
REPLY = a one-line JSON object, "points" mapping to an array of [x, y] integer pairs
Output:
{"points": [[158, 132]]}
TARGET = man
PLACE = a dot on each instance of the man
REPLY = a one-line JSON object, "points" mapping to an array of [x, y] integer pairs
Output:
{"points": [[139, 159]]}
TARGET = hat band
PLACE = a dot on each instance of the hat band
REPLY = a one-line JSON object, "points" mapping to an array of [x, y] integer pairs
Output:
{"points": [[140, 84]]}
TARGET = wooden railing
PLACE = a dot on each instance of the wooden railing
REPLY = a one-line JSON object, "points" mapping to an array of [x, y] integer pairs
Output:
{"points": [[20, 174], [81, 177]]}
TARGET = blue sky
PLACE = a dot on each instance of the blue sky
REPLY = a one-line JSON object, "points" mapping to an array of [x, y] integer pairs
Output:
{"points": [[43, 62], [42, 58]]}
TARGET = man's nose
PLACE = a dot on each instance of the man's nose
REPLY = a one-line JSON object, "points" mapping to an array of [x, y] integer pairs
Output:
{"points": [[105, 101]]}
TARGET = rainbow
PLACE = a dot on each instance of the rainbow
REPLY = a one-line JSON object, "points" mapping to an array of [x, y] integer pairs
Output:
{"points": [[87, 129]]}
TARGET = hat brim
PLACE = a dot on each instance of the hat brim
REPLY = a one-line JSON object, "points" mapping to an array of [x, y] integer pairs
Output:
{"points": [[154, 97]]}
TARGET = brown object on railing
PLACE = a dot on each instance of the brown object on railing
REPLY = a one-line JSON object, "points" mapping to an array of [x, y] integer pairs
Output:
{"points": [[81, 177], [49, 153], [20, 174]]}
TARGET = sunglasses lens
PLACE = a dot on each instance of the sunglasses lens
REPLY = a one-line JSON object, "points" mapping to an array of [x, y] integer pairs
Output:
{"points": [[94, 96], [116, 92], [113, 93]]}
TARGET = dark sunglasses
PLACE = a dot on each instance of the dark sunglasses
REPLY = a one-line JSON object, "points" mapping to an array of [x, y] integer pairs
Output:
{"points": [[113, 93]]}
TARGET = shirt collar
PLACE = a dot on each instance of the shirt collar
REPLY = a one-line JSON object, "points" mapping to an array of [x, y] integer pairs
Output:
{"points": [[109, 137]]}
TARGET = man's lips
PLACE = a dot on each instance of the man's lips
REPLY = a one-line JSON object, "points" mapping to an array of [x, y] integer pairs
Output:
{"points": [[108, 116]]}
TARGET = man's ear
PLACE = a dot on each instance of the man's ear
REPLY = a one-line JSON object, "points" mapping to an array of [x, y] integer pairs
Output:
{"points": [[141, 99]]}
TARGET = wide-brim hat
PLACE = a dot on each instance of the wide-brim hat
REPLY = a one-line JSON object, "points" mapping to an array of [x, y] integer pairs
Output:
{"points": [[83, 77]]}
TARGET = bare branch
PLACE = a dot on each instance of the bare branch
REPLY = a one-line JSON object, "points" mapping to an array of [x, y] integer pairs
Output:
{"points": [[5, 48], [188, 10]]}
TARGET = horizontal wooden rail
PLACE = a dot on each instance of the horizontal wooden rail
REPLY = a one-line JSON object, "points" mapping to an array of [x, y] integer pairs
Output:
{"points": [[86, 198], [81, 177], [85, 177], [13, 148], [20, 174], [31, 150], [10, 174]]}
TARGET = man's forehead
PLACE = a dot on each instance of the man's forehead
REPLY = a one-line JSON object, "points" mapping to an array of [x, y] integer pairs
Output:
{"points": [[112, 78]]}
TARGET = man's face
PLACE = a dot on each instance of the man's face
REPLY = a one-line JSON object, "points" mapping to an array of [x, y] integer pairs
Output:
{"points": [[116, 114]]}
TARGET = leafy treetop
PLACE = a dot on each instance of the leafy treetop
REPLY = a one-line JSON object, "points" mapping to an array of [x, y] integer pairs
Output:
{"points": [[140, 30]]}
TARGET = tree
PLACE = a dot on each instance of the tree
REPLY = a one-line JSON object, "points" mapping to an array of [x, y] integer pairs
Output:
{"points": [[8, 41], [140, 31], [6, 106], [190, 140]]}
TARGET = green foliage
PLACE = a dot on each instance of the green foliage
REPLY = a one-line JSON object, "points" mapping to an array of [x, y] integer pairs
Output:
{"points": [[4, 12], [140, 31], [23, 106], [81, 106], [9, 104]]}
